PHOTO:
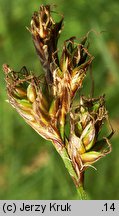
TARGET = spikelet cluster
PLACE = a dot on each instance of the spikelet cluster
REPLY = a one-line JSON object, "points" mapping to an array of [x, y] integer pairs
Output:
{"points": [[47, 104]]}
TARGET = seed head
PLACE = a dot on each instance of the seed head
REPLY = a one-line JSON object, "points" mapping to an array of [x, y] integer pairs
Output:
{"points": [[47, 105]]}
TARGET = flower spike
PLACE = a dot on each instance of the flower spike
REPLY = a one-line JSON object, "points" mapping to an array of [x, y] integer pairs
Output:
{"points": [[47, 106]]}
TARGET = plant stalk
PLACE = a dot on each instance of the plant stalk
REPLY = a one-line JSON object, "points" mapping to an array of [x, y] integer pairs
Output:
{"points": [[81, 192], [78, 182]]}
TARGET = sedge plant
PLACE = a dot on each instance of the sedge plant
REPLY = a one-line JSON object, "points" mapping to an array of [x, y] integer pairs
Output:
{"points": [[48, 104]]}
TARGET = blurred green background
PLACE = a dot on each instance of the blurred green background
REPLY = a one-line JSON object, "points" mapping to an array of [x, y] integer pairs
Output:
{"points": [[30, 168]]}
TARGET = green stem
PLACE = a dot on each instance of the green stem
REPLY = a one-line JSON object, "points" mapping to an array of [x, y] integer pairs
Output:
{"points": [[78, 182], [82, 193]]}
